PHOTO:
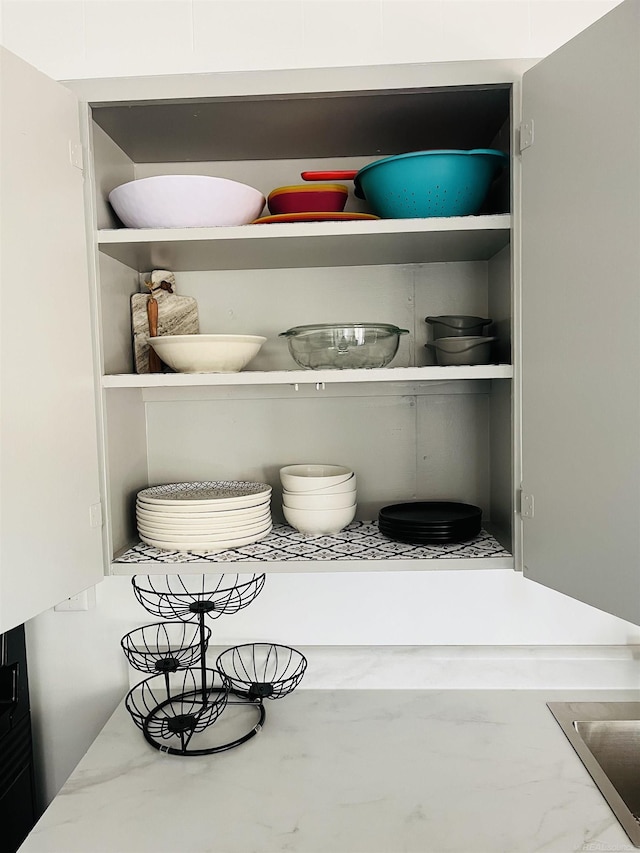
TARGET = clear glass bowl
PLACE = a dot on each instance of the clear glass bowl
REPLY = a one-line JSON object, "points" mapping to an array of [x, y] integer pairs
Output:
{"points": [[339, 346]]}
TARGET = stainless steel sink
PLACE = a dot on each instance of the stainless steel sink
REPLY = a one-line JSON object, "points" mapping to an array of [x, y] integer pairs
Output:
{"points": [[606, 736]]}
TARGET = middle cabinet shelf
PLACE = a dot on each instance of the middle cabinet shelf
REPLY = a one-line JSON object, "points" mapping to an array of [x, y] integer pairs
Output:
{"points": [[273, 246], [433, 373]]}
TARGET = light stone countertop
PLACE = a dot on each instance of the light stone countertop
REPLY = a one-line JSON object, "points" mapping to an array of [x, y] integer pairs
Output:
{"points": [[347, 771]]}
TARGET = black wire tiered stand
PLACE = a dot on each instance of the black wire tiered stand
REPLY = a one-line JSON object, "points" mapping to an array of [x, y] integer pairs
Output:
{"points": [[183, 697]]}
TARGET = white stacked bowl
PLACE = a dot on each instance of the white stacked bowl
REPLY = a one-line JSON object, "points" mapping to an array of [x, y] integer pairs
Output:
{"points": [[318, 499]]}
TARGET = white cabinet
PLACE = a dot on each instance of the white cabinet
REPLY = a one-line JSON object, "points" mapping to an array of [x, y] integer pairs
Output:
{"points": [[581, 316], [50, 531], [412, 430]]}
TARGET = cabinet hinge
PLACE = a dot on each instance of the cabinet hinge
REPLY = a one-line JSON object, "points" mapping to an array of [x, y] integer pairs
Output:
{"points": [[526, 505], [75, 155], [525, 135], [95, 515]]}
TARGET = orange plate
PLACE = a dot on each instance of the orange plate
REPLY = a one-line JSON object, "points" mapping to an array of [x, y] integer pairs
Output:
{"points": [[321, 216]]}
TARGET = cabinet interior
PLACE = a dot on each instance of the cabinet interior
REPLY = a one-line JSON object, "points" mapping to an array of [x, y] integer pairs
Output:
{"points": [[266, 141], [311, 124], [405, 439], [422, 442]]}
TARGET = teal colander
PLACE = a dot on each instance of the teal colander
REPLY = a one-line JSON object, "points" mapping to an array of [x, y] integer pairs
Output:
{"points": [[429, 183]]}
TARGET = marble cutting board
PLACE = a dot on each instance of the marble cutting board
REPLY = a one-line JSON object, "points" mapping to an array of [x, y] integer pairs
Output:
{"points": [[177, 315]]}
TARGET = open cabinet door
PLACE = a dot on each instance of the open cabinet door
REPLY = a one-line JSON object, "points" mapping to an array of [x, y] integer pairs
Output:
{"points": [[50, 539], [581, 316]]}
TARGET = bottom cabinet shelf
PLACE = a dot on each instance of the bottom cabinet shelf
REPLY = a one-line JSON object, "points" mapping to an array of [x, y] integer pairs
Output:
{"points": [[359, 547]]}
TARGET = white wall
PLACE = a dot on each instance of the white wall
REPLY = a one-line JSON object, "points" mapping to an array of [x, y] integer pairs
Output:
{"points": [[102, 38], [77, 670], [79, 674]]}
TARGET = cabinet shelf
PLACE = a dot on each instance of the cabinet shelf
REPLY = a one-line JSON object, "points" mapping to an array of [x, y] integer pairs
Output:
{"points": [[309, 244], [360, 547], [309, 377]]}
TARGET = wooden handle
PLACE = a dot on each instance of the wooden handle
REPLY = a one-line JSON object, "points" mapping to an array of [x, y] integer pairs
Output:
{"points": [[155, 365]]}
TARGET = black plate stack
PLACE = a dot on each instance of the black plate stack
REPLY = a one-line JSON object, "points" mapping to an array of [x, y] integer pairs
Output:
{"points": [[430, 522]]}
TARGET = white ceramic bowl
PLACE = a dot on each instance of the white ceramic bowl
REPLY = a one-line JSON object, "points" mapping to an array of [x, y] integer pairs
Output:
{"points": [[207, 353], [348, 485], [307, 478], [317, 522], [302, 500], [185, 201]]}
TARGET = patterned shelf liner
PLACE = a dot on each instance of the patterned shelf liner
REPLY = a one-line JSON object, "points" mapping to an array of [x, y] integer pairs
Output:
{"points": [[361, 540]]}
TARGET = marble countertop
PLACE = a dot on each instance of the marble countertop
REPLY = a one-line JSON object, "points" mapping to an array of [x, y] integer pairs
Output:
{"points": [[347, 771]]}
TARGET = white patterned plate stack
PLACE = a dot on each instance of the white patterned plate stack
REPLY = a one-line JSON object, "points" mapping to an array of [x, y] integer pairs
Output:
{"points": [[211, 516]]}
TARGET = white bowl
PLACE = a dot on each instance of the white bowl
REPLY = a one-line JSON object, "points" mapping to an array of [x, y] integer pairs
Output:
{"points": [[207, 353], [185, 201], [348, 485], [317, 522], [307, 478], [313, 500]]}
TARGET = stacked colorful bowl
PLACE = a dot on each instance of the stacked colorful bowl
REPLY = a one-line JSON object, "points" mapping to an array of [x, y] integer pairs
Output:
{"points": [[308, 198]]}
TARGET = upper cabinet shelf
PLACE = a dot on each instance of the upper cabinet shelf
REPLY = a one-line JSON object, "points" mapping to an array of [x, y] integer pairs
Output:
{"points": [[312, 244]]}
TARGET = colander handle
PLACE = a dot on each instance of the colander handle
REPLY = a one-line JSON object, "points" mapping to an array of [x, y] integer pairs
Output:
{"points": [[337, 175], [498, 158]]}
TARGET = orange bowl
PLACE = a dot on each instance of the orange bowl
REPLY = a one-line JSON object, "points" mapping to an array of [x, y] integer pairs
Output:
{"points": [[308, 198]]}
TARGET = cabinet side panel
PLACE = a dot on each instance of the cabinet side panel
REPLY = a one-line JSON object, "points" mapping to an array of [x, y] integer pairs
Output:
{"points": [[501, 474], [501, 429], [499, 307], [581, 316], [117, 284], [126, 452], [112, 167], [49, 462]]}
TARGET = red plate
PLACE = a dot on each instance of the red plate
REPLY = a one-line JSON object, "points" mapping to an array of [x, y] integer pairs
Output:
{"points": [[320, 216]]}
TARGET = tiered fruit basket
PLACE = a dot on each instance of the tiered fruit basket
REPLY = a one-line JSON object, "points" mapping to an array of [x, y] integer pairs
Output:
{"points": [[182, 698]]}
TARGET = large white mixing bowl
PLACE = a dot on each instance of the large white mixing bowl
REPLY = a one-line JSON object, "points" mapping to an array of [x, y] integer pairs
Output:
{"points": [[185, 201]]}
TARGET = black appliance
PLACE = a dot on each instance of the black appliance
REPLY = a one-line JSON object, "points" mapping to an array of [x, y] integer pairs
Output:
{"points": [[18, 812]]}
